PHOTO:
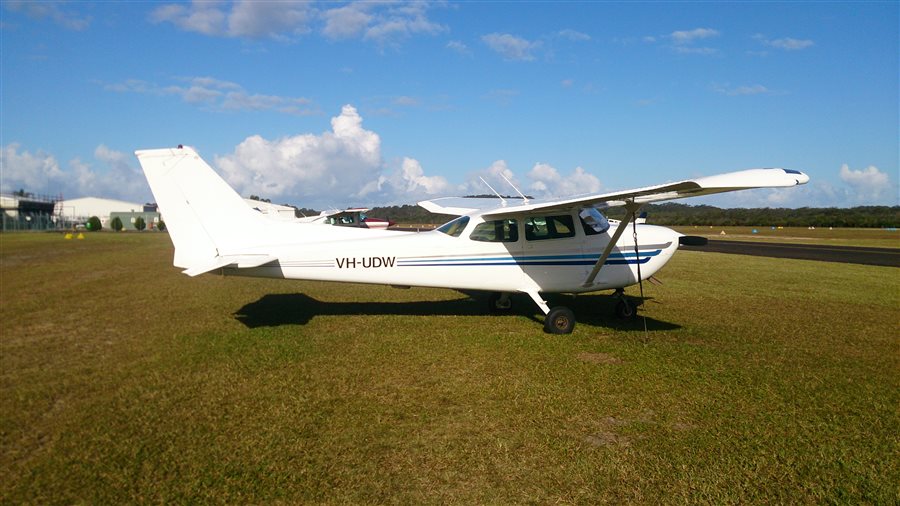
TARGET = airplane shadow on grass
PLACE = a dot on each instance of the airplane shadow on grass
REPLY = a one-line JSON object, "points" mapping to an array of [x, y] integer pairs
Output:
{"points": [[273, 310]]}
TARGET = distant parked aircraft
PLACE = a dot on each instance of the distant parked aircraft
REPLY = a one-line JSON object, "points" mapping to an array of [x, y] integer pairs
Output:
{"points": [[351, 217]]}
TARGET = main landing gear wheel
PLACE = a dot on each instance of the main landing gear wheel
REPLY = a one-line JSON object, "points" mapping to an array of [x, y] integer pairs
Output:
{"points": [[499, 303], [560, 320]]}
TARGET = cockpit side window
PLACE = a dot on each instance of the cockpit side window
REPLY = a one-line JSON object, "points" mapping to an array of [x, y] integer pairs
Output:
{"points": [[538, 228], [593, 221], [455, 227], [496, 231]]}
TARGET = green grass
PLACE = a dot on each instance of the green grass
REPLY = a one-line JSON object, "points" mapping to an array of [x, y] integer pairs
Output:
{"points": [[871, 237], [122, 380]]}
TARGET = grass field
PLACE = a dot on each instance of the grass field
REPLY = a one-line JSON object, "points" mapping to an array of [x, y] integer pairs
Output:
{"points": [[122, 380], [871, 237]]}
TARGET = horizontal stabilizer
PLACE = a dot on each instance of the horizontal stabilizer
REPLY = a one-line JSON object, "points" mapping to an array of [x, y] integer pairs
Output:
{"points": [[239, 261]]}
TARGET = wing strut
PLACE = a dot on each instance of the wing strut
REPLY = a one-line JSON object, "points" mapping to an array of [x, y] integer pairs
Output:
{"points": [[631, 209]]}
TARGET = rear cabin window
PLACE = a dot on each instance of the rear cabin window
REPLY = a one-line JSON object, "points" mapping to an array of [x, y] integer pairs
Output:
{"points": [[496, 231], [539, 228], [455, 227]]}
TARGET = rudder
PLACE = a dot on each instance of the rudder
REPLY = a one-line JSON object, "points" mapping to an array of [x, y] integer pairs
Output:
{"points": [[201, 211]]}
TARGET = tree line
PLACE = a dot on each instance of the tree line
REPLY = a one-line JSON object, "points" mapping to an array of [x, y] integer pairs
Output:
{"points": [[674, 214]]}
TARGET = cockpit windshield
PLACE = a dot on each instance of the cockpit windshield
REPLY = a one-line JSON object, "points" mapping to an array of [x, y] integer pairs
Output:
{"points": [[455, 227], [593, 221]]}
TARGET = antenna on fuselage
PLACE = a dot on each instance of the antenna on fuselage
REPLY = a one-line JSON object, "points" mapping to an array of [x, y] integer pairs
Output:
{"points": [[493, 190], [524, 198]]}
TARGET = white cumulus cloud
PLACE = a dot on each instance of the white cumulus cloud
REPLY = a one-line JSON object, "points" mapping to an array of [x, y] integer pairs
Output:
{"points": [[259, 19], [751, 89], [790, 44], [112, 174], [493, 175], [869, 185], [416, 180], [684, 41], [400, 22], [242, 18], [785, 43], [459, 47], [53, 11], [306, 166], [381, 22], [404, 185], [511, 47], [346, 22], [689, 36], [218, 95], [34, 172], [573, 35], [542, 181], [548, 182]]}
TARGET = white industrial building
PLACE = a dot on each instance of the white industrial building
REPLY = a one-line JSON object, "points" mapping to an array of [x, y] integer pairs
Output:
{"points": [[79, 210]]}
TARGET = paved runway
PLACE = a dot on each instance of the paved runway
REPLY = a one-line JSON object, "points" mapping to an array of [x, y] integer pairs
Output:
{"points": [[848, 254]]}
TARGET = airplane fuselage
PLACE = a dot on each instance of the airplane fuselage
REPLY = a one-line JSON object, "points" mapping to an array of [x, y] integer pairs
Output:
{"points": [[518, 262]]}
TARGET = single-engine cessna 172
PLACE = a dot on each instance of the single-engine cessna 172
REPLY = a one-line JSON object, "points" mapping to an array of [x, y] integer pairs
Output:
{"points": [[501, 245]]}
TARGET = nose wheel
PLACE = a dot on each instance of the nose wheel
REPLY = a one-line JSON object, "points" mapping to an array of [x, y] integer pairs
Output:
{"points": [[625, 309]]}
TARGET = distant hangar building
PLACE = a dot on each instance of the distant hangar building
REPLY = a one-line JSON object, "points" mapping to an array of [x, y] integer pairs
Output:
{"points": [[26, 211], [79, 210]]}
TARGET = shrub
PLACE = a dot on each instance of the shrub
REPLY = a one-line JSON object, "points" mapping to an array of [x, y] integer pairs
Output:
{"points": [[116, 224], [161, 226], [93, 224], [140, 224]]}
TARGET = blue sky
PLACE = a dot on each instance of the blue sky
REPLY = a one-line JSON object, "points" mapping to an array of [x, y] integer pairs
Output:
{"points": [[366, 103]]}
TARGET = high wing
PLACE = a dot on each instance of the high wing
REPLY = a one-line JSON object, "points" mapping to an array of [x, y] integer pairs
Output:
{"points": [[731, 181]]}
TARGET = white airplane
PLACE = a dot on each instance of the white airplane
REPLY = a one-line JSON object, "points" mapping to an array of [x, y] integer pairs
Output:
{"points": [[351, 217], [503, 246]]}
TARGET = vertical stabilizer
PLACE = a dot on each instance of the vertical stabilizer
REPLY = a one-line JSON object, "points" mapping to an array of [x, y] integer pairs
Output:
{"points": [[204, 216]]}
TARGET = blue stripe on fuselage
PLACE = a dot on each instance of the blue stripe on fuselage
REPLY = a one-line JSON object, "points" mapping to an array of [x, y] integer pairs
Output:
{"points": [[558, 260]]}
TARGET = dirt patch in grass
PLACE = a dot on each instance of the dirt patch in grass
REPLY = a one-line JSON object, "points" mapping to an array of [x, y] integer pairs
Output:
{"points": [[608, 439]]}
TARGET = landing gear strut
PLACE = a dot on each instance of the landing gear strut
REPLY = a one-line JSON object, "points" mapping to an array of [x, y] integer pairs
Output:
{"points": [[499, 303], [625, 309]]}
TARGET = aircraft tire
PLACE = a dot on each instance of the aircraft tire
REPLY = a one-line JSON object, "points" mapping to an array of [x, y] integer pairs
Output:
{"points": [[625, 310], [560, 320], [495, 307]]}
